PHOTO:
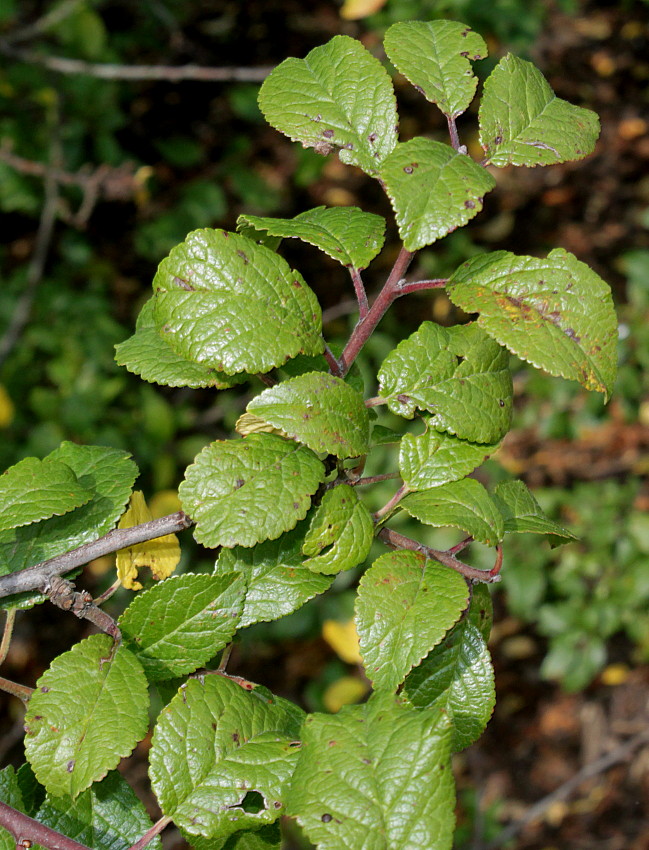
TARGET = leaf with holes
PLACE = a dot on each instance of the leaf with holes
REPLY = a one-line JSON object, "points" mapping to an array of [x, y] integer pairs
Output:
{"points": [[433, 190], [434, 458], [458, 374], [346, 234], [278, 581], [177, 626], [228, 303], [240, 492], [222, 757], [148, 355], [320, 410], [375, 776], [405, 606], [462, 504], [436, 56], [523, 122], [343, 523], [555, 313], [523, 514], [88, 711], [339, 97]]}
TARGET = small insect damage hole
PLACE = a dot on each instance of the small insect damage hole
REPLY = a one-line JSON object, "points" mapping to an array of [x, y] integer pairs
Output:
{"points": [[252, 802]]}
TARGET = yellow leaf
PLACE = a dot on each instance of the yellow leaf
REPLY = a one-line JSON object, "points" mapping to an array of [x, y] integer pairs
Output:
{"points": [[352, 10], [615, 674], [161, 555], [6, 408], [345, 691], [343, 639], [250, 423], [164, 502]]}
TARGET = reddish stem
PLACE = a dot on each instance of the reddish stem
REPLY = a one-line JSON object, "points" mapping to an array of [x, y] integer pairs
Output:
{"points": [[359, 289], [26, 829], [373, 479], [452, 130], [394, 501], [21, 691], [334, 365], [150, 834], [419, 285]]}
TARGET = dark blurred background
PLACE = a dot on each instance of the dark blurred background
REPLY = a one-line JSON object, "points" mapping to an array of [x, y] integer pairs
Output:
{"points": [[100, 177]]}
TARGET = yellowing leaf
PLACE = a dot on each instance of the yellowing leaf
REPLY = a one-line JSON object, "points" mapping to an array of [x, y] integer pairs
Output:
{"points": [[161, 555], [344, 691], [6, 408], [343, 639], [615, 674], [163, 503], [352, 10], [250, 423]]}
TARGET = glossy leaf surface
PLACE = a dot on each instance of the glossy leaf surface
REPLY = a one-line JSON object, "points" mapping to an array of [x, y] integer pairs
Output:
{"points": [[522, 513], [434, 458], [341, 532]]}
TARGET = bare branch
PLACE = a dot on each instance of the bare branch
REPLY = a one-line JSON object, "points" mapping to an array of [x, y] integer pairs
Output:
{"points": [[24, 828]]}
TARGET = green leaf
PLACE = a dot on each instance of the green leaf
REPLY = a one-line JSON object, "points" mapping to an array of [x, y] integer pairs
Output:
{"points": [[433, 458], [108, 816], [277, 579], [481, 612], [343, 523], [34, 490], [338, 97], [109, 474], [88, 711], [462, 504], [222, 757], [269, 837], [458, 374], [147, 354], [226, 302], [435, 56], [405, 606], [11, 794], [346, 234], [375, 776], [433, 190], [320, 410], [457, 676], [523, 122], [240, 492], [178, 625], [522, 513], [555, 313]]}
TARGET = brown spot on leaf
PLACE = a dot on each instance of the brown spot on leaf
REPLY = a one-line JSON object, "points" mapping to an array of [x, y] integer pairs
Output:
{"points": [[469, 205], [328, 134], [70, 765], [326, 818], [243, 256]]}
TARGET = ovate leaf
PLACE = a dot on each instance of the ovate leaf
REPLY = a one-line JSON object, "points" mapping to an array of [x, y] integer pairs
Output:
{"points": [[148, 355], [108, 816], [222, 757], [436, 56], [555, 313], [462, 504], [434, 458], [278, 581], [523, 122], [87, 712], [459, 374], [405, 606], [337, 98], [245, 491], [346, 234], [177, 626], [320, 410], [522, 513], [341, 532], [34, 489], [433, 190], [375, 776], [228, 303]]}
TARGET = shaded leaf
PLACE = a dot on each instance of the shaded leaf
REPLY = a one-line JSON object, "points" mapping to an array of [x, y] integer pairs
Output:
{"points": [[346, 234], [522, 513], [375, 776], [177, 626], [240, 492], [88, 711], [555, 313], [226, 302], [222, 757], [405, 606], [523, 122], [338, 97], [341, 532], [458, 374], [434, 458], [436, 56], [320, 410], [433, 190], [268, 837], [462, 504]]}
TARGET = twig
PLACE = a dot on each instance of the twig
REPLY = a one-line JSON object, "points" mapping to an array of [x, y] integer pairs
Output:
{"points": [[373, 479], [37, 577], [359, 289], [61, 593], [21, 691], [111, 71], [567, 788], [45, 22], [419, 285], [332, 360], [23, 828], [452, 131], [400, 541], [7, 633], [392, 503], [151, 833]]}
